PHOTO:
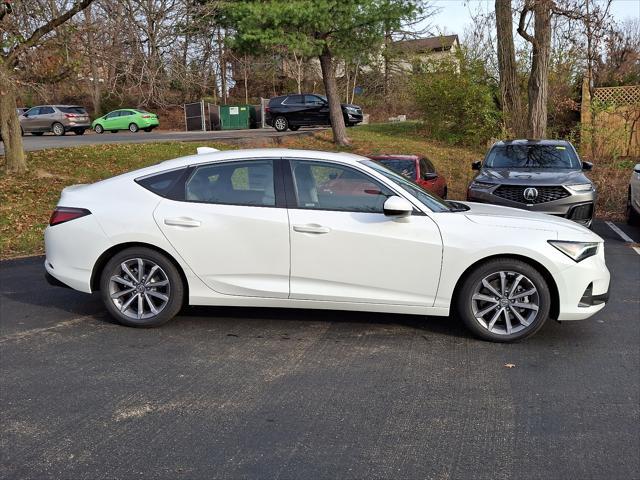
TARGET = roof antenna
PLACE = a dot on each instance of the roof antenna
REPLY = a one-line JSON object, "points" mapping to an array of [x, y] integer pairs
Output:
{"points": [[204, 150]]}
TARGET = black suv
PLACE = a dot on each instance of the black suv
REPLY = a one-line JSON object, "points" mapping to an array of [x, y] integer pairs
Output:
{"points": [[303, 110]]}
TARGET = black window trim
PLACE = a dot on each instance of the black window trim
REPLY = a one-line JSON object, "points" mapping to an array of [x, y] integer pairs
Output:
{"points": [[290, 189]]}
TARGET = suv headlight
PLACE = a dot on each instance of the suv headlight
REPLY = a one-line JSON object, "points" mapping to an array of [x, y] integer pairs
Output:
{"points": [[577, 251], [481, 185], [581, 187]]}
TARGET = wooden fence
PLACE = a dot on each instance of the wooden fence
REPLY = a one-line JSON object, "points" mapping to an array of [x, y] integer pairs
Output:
{"points": [[610, 121]]}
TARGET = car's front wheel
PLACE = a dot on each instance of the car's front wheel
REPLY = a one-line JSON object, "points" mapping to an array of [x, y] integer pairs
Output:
{"points": [[504, 300], [281, 123], [141, 288]]}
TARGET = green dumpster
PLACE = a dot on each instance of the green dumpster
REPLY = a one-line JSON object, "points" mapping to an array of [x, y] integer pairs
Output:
{"points": [[235, 117]]}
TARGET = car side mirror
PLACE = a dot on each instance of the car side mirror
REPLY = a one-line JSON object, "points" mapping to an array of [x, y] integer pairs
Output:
{"points": [[429, 176], [637, 168], [587, 165], [476, 165], [396, 206]]}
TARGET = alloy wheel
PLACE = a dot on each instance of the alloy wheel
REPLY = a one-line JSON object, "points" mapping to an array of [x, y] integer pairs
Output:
{"points": [[58, 129], [139, 288], [505, 302], [280, 124]]}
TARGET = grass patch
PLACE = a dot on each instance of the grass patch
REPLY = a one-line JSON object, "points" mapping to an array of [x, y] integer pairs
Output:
{"points": [[26, 201]]}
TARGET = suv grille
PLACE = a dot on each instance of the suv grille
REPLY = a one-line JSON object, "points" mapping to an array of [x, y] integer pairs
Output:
{"points": [[515, 193]]}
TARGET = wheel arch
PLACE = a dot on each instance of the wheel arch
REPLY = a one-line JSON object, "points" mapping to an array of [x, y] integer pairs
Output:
{"points": [[110, 252], [553, 287]]}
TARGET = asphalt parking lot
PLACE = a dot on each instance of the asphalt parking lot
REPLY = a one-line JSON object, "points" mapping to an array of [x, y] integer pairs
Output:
{"points": [[301, 394], [32, 142]]}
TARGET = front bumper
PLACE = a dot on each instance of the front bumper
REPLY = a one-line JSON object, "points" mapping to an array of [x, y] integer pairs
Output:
{"points": [[578, 207]]}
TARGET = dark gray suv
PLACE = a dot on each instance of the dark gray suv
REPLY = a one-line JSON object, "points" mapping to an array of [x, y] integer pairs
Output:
{"points": [[541, 175]]}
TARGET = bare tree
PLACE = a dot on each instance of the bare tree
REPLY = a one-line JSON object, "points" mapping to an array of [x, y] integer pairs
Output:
{"points": [[10, 56], [509, 86]]}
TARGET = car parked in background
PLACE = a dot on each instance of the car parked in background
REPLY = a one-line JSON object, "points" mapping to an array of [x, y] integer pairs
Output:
{"points": [[306, 229], [540, 175], [130, 119], [416, 168], [633, 197], [58, 119], [306, 110], [21, 110]]}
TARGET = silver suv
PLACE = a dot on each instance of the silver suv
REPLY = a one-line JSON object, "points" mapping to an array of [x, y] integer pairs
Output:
{"points": [[540, 175], [58, 119]]}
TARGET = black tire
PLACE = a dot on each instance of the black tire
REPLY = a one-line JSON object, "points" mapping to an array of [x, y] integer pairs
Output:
{"points": [[294, 128], [98, 128], [148, 129], [281, 123], [113, 131], [79, 131], [174, 289], [58, 129], [464, 304], [133, 127], [632, 216], [21, 132], [37, 134]]}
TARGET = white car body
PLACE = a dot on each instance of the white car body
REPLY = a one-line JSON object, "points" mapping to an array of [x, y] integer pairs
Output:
{"points": [[265, 257], [634, 191]]}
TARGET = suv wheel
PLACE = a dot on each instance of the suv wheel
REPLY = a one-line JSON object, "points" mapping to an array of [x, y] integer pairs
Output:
{"points": [[133, 128], [280, 124], [141, 288], [57, 129], [504, 300]]}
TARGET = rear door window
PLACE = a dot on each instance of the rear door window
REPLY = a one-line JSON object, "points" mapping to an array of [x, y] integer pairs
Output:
{"points": [[46, 110], [249, 183], [294, 100], [313, 100]]}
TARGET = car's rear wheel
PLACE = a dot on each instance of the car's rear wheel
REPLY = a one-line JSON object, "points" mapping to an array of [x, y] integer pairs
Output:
{"points": [[504, 300], [281, 123], [98, 128], [133, 128], [294, 128], [632, 216], [57, 129], [37, 134], [141, 288]]}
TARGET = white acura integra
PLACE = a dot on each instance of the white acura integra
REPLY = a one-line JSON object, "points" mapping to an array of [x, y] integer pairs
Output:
{"points": [[305, 229]]}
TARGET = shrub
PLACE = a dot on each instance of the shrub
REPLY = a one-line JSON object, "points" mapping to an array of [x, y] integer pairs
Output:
{"points": [[457, 101]]}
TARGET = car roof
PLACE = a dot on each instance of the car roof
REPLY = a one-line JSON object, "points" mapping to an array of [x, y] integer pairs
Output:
{"points": [[393, 156], [249, 154], [527, 141]]}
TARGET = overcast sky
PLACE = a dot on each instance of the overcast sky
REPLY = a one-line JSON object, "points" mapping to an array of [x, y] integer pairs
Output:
{"points": [[455, 14]]}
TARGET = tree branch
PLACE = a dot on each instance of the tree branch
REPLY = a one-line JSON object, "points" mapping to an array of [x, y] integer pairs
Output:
{"points": [[522, 29], [45, 29]]}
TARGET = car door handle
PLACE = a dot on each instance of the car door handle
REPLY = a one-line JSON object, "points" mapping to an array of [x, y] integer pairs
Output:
{"points": [[182, 222], [311, 228]]}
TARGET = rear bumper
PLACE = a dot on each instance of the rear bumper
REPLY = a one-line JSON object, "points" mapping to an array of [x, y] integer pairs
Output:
{"points": [[76, 125], [53, 281]]}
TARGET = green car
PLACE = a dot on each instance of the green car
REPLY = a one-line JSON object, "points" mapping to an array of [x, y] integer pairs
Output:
{"points": [[126, 119]]}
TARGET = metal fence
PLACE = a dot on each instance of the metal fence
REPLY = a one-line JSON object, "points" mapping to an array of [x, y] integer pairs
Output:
{"points": [[194, 119]]}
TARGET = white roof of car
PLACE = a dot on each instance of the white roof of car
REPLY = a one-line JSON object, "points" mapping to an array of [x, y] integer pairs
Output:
{"points": [[246, 154]]}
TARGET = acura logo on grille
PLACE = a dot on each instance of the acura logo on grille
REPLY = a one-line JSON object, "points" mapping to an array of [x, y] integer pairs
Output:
{"points": [[530, 194]]}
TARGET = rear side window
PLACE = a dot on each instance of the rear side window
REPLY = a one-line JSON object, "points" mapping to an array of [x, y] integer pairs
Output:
{"points": [[76, 110], [165, 184], [248, 183]]}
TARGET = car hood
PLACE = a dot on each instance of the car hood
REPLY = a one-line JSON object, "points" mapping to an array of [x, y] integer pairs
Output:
{"points": [[531, 176], [494, 215]]}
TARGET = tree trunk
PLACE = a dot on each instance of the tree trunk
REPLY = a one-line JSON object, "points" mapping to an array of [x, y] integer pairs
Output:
{"points": [[331, 89], [95, 81], [10, 132], [514, 117], [538, 88]]}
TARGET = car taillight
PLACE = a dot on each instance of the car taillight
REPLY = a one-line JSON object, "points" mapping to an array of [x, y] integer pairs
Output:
{"points": [[71, 115], [146, 116], [267, 109], [65, 214]]}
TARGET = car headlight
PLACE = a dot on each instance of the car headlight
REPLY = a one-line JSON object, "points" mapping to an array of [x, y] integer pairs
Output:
{"points": [[581, 187], [577, 251], [352, 110], [481, 185]]}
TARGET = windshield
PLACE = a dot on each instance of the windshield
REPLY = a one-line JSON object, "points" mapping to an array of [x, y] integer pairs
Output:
{"points": [[532, 156], [404, 167], [433, 202]]}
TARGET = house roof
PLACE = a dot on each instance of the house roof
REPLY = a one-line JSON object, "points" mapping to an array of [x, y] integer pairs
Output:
{"points": [[429, 44]]}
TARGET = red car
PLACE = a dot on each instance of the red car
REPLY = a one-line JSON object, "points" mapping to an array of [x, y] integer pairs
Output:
{"points": [[419, 169]]}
